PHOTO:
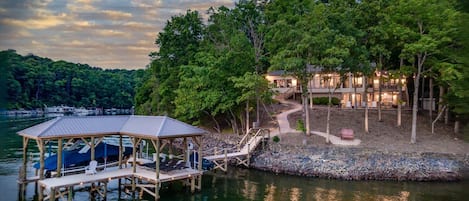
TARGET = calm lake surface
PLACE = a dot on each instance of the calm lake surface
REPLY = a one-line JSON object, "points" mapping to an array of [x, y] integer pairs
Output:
{"points": [[238, 184]]}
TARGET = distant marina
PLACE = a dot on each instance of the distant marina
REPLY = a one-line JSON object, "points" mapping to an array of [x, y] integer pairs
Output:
{"points": [[64, 110]]}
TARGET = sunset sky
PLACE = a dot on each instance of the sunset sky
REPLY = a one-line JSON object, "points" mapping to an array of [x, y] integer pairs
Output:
{"points": [[101, 33]]}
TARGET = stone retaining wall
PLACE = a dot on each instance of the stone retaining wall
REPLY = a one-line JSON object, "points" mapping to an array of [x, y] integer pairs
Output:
{"points": [[360, 164]]}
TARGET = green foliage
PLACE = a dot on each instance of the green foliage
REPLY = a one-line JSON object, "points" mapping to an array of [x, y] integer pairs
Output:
{"points": [[33, 82], [178, 44], [300, 125], [325, 101], [276, 139], [210, 71]]}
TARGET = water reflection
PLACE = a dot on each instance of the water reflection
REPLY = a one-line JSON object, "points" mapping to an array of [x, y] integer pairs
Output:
{"points": [[269, 192], [295, 194]]}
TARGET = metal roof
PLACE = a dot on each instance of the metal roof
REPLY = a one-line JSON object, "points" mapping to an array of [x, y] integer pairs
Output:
{"points": [[144, 126]]}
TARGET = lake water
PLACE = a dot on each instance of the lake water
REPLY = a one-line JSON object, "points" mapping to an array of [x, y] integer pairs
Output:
{"points": [[240, 184]]}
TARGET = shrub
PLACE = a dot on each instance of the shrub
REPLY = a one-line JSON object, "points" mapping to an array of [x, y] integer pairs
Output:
{"points": [[325, 101], [300, 125], [276, 139]]}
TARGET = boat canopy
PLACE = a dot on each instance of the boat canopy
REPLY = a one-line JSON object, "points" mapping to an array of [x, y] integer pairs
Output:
{"points": [[152, 127]]}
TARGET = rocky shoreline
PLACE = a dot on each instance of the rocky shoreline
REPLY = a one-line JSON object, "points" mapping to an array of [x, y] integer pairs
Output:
{"points": [[360, 164], [350, 163]]}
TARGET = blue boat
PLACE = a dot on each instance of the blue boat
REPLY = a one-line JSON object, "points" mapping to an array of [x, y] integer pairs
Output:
{"points": [[76, 158]]}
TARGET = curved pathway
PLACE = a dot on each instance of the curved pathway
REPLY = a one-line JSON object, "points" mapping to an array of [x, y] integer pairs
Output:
{"points": [[284, 126]]}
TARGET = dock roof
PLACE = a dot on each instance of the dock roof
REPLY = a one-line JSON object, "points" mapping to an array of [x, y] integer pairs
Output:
{"points": [[157, 127]]}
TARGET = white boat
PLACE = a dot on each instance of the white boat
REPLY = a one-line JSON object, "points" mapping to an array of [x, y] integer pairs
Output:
{"points": [[81, 111], [60, 109]]}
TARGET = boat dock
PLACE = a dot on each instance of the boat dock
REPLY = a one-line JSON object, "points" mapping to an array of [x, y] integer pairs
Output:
{"points": [[144, 175], [249, 143], [60, 186]]}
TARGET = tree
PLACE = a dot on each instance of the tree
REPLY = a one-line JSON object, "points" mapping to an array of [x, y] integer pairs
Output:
{"points": [[425, 27], [178, 43]]}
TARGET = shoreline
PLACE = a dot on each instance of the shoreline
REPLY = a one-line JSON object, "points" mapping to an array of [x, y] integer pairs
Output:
{"points": [[347, 163]]}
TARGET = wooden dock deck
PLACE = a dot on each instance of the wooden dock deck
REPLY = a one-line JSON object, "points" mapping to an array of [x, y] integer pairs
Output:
{"points": [[53, 185]]}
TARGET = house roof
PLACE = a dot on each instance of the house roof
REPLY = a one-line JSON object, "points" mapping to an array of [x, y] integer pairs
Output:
{"points": [[143, 126]]}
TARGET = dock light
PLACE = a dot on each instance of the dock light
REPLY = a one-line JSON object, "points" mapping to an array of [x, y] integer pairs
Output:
{"points": [[81, 183], [189, 175], [172, 178], [109, 178]]}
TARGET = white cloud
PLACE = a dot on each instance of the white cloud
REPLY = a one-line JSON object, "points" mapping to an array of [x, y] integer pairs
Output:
{"points": [[113, 14]]}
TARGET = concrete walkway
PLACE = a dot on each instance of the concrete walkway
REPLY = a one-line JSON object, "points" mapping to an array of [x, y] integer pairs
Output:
{"points": [[284, 126]]}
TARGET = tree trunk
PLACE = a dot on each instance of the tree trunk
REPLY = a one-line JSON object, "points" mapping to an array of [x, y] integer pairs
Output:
{"points": [[422, 93], [430, 86], [328, 117], [304, 99], [234, 123], [258, 113], [440, 98], [247, 117], [447, 116], [355, 92], [365, 98], [307, 117], [380, 67], [456, 125], [399, 96], [399, 103], [420, 60], [310, 95]]}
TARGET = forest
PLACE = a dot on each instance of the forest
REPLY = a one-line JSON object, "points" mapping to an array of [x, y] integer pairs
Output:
{"points": [[34, 82], [211, 72]]}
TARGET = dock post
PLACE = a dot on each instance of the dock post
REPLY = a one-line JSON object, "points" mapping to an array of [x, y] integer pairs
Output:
{"points": [[70, 193], [192, 184], [40, 146], [199, 182], [40, 193], [225, 162], [121, 152], [105, 191], [92, 148], [52, 194], [157, 161], [59, 157], [25, 159], [134, 163], [119, 190], [249, 155]]}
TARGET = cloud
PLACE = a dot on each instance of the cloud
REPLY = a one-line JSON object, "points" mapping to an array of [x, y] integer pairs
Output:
{"points": [[42, 22], [82, 23], [139, 25], [103, 33], [81, 6], [110, 33], [115, 15]]}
